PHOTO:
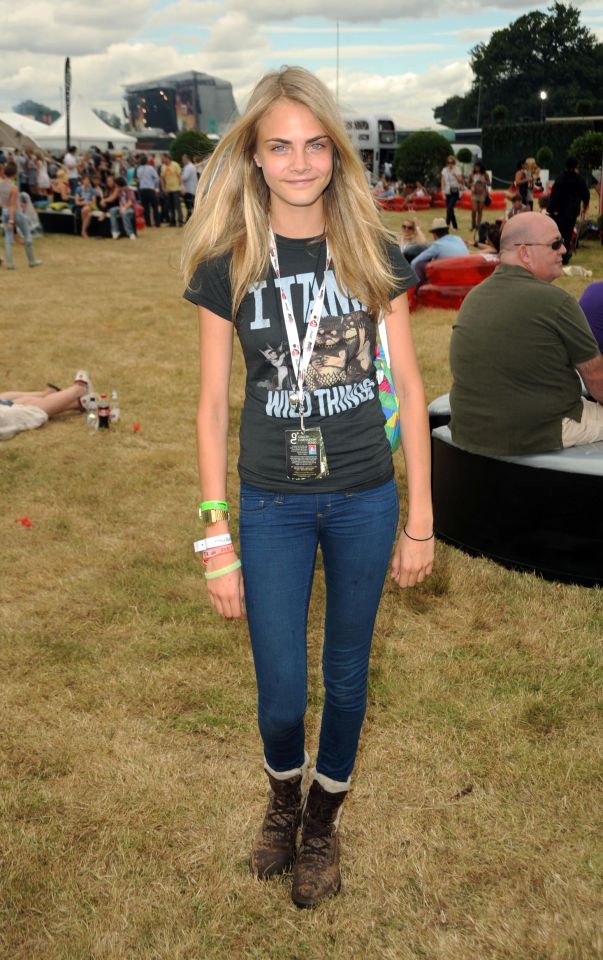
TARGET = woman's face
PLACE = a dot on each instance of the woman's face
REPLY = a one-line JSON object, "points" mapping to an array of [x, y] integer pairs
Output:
{"points": [[295, 155]]}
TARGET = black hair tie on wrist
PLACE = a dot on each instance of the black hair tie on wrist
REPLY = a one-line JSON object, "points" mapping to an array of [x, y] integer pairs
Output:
{"points": [[417, 539]]}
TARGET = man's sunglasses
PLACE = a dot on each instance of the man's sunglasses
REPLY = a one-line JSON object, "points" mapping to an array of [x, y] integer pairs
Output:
{"points": [[555, 245]]}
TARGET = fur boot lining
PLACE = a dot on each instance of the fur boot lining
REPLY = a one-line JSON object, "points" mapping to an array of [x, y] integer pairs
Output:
{"points": [[288, 774], [331, 786]]}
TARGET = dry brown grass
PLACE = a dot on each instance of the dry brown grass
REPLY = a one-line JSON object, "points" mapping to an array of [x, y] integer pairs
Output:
{"points": [[130, 764]]}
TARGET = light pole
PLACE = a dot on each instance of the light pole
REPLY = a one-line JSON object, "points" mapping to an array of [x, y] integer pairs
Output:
{"points": [[543, 96]]}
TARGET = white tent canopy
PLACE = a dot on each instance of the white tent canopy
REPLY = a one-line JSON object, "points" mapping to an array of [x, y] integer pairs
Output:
{"points": [[85, 130], [18, 131]]}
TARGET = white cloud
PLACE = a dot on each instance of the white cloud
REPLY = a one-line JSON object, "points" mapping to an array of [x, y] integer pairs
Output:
{"points": [[476, 34], [198, 12], [354, 51], [100, 78], [236, 33], [109, 45], [264, 10], [68, 27], [409, 97]]}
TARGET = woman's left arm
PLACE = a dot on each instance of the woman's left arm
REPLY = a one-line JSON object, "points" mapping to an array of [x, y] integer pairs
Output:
{"points": [[413, 555]]}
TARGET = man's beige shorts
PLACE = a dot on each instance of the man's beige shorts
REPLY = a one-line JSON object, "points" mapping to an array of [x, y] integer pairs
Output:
{"points": [[590, 428]]}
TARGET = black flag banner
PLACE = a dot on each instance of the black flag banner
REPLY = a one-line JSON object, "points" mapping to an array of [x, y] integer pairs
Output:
{"points": [[67, 99]]}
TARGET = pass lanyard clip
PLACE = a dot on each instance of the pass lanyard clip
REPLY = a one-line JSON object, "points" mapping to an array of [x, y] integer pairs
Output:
{"points": [[300, 355]]}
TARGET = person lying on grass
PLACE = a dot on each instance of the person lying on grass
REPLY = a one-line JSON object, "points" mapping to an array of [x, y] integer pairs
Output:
{"points": [[29, 409]]}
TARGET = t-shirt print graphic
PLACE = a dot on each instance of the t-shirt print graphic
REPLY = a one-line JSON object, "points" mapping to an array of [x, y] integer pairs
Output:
{"points": [[342, 355], [283, 377]]}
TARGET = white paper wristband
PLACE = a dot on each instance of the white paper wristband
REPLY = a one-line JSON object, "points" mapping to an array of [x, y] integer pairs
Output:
{"points": [[220, 541]]}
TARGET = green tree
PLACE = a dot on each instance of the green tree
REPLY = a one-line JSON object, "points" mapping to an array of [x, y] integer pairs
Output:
{"points": [[464, 155], [39, 111], [421, 156], [500, 114], [544, 157], [192, 142], [551, 51], [449, 113], [111, 119], [584, 108], [589, 150]]}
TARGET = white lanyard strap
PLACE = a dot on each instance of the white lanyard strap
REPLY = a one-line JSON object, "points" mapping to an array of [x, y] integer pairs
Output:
{"points": [[300, 357]]}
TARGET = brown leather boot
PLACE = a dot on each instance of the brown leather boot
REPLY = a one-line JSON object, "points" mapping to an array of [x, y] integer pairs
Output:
{"points": [[275, 844], [316, 874]]}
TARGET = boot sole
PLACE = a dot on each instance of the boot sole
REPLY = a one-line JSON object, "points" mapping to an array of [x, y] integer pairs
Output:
{"points": [[310, 904]]}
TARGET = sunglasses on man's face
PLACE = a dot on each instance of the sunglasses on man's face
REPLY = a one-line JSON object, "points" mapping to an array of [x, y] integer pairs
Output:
{"points": [[554, 245]]}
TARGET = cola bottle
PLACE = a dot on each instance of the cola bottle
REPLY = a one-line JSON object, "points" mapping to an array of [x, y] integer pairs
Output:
{"points": [[104, 412]]}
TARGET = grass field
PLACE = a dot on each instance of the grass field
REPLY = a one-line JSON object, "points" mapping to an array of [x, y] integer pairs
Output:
{"points": [[130, 766]]}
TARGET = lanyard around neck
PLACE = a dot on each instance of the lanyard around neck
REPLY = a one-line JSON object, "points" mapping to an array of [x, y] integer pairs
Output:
{"points": [[300, 356]]}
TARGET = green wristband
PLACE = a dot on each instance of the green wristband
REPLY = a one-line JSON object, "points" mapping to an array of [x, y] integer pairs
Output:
{"points": [[223, 570], [212, 505]]}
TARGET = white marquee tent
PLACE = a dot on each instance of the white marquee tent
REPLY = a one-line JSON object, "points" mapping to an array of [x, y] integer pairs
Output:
{"points": [[85, 130], [18, 131]]}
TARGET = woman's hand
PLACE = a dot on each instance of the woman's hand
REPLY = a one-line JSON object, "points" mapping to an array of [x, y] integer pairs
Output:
{"points": [[226, 593], [412, 560]]}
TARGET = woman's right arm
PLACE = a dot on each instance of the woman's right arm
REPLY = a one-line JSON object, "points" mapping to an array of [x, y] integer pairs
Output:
{"points": [[215, 359]]}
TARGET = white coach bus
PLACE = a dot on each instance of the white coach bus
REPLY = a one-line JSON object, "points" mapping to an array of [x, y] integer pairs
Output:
{"points": [[374, 136]]}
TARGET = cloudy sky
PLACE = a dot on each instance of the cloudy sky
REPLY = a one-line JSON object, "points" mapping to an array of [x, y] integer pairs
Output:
{"points": [[402, 57]]}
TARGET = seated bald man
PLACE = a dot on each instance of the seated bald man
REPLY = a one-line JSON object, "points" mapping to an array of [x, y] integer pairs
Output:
{"points": [[517, 347]]}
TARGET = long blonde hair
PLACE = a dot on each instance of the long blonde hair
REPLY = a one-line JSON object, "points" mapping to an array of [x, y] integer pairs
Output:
{"points": [[232, 205]]}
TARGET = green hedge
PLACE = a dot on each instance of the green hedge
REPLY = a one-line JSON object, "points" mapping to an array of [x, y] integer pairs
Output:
{"points": [[505, 143]]}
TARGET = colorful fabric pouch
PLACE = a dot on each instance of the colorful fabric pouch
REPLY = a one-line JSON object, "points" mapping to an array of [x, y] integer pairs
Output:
{"points": [[387, 392]]}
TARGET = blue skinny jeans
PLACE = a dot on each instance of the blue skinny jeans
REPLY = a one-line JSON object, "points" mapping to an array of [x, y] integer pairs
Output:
{"points": [[280, 534]]}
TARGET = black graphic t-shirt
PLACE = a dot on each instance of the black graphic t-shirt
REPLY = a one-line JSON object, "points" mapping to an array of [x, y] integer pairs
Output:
{"points": [[340, 389]]}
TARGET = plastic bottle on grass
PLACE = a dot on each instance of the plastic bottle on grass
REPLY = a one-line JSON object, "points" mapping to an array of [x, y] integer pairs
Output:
{"points": [[92, 415], [115, 411]]}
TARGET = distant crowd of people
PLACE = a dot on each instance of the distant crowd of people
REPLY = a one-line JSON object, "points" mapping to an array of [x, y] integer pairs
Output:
{"points": [[96, 184], [566, 202]]}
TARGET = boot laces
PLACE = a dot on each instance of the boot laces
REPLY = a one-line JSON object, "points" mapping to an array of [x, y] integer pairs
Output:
{"points": [[282, 812], [317, 833]]}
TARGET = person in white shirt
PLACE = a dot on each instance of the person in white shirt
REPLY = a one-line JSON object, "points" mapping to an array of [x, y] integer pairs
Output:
{"points": [[451, 183], [190, 179], [148, 188], [70, 165]]}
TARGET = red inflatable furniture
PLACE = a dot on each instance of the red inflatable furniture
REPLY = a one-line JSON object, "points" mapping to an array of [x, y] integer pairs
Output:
{"points": [[419, 203], [140, 224], [498, 200], [392, 203], [461, 271], [449, 297], [451, 279]]}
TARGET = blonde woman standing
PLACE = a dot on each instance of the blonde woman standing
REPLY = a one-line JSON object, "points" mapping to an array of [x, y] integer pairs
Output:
{"points": [[285, 246]]}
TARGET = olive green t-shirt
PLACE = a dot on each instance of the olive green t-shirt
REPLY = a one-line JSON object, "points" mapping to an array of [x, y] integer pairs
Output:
{"points": [[514, 349]]}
